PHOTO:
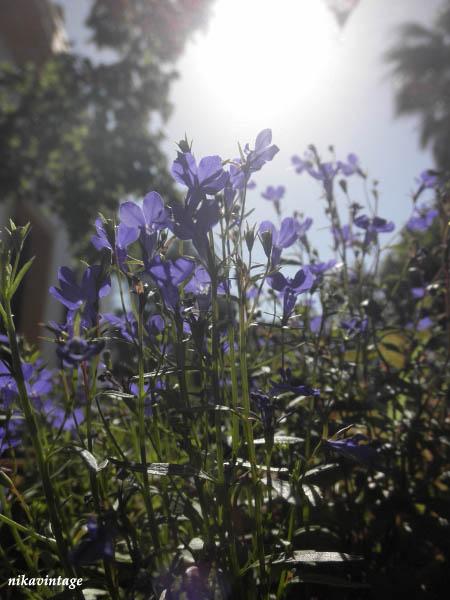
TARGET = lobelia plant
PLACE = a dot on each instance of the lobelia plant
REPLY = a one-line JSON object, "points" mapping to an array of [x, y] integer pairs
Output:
{"points": [[241, 428]]}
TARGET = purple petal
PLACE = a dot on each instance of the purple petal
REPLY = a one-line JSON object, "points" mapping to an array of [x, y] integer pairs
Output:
{"points": [[131, 215]]}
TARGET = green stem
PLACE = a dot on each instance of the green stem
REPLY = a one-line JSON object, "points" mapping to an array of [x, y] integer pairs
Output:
{"points": [[35, 435]]}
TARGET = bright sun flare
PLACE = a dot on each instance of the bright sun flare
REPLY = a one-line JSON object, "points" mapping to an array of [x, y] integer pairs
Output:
{"points": [[265, 56]]}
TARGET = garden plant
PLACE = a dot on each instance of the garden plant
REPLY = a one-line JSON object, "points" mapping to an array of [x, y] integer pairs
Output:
{"points": [[253, 421]]}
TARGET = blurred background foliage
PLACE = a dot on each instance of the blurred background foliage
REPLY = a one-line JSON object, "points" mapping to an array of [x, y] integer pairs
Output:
{"points": [[78, 135]]}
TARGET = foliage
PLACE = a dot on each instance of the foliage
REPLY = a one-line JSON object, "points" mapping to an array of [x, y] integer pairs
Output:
{"points": [[78, 135], [420, 64], [254, 422]]}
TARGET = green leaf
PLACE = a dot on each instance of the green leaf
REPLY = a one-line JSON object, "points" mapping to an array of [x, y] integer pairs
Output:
{"points": [[307, 556], [162, 469], [322, 579], [20, 275], [91, 461]]}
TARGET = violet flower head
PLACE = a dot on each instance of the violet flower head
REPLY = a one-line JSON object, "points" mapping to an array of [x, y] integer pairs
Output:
{"points": [[422, 218], [428, 179], [351, 166], [291, 288], [344, 236], [321, 267], [58, 418], [123, 237], [85, 296], [143, 223], [274, 194], [206, 179], [303, 227], [290, 384], [200, 286], [189, 224], [373, 226], [253, 160], [10, 433], [76, 350], [8, 386], [300, 164], [355, 448], [418, 292], [168, 275], [266, 409], [354, 326], [97, 545], [275, 241]]}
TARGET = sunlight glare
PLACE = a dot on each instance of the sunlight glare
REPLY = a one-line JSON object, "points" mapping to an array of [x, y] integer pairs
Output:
{"points": [[265, 57]]}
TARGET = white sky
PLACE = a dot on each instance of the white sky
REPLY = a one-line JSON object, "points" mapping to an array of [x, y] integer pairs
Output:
{"points": [[284, 64]]}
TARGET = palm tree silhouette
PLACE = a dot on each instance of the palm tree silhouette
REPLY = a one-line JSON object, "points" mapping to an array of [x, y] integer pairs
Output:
{"points": [[421, 66]]}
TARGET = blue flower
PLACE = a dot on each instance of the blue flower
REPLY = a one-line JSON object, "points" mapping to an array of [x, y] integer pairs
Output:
{"points": [[274, 194], [266, 408], [97, 545], [123, 237], [321, 267], [274, 241], [206, 179], [351, 166], [253, 160], [144, 223], [354, 447], [354, 326], [373, 227], [168, 275], [303, 226], [291, 288], [190, 224], [75, 350], [428, 179], [422, 218], [85, 296]]}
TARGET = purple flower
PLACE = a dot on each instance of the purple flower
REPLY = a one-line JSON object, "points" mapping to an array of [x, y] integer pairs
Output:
{"points": [[134, 389], [274, 194], [303, 227], [351, 166], [97, 545], [37, 382], [264, 151], [424, 324], [301, 165], [10, 433], [144, 223], [354, 326], [422, 218], [206, 179], [8, 386], [373, 227], [168, 275], [61, 419], [189, 224], [76, 350], [274, 241], [428, 179], [123, 237], [321, 267], [266, 408], [354, 447], [344, 235], [418, 292], [253, 160], [291, 288], [299, 390], [84, 296]]}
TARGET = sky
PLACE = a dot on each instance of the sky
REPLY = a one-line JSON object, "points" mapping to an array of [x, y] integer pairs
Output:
{"points": [[286, 65]]}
